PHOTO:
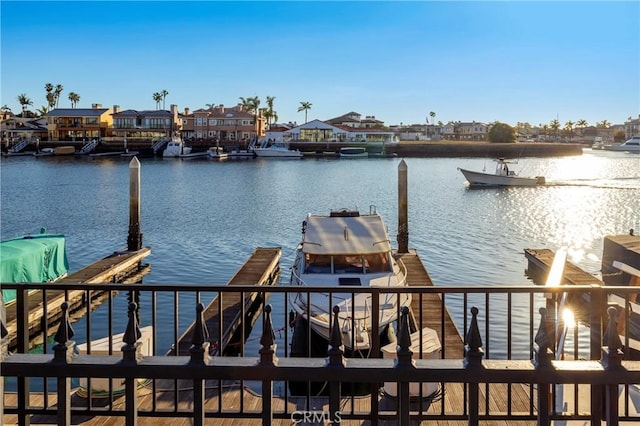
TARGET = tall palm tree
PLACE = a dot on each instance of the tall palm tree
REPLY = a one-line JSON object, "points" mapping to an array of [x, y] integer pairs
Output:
{"points": [[24, 100], [269, 112], [555, 126], [74, 98], [210, 106], [57, 93], [157, 97], [604, 124], [304, 106], [433, 117], [50, 96], [164, 94]]}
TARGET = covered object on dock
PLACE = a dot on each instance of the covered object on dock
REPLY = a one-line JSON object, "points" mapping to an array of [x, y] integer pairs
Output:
{"points": [[32, 259]]}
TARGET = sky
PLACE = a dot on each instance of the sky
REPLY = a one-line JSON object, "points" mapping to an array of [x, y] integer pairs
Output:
{"points": [[508, 61]]}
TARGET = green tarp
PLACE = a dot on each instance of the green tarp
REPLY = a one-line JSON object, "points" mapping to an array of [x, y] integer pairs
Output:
{"points": [[32, 259]]}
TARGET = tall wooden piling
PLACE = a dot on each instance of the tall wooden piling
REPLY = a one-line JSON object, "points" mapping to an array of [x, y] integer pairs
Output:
{"points": [[134, 241], [403, 224]]}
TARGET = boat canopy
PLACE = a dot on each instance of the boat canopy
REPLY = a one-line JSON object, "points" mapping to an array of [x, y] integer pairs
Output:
{"points": [[32, 259], [345, 235]]}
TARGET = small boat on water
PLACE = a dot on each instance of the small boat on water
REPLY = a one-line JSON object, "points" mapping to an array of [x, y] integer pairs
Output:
{"points": [[353, 152], [175, 148], [630, 145], [273, 149], [501, 177], [344, 248], [217, 153], [38, 258]]}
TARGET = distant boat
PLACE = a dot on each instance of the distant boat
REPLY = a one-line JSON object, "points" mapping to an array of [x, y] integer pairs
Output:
{"points": [[353, 152], [501, 177], [176, 148], [217, 153], [271, 149], [630, 145]]}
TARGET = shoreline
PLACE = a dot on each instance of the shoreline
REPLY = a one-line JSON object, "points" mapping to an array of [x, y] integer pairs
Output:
{"points": [[408, 149]]}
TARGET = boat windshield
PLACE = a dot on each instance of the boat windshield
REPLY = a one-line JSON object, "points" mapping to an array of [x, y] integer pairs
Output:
{"points": [[341, 264]]}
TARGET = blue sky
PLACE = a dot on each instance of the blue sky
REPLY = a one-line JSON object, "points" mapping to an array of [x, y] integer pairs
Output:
{"points": [[508, 61]]}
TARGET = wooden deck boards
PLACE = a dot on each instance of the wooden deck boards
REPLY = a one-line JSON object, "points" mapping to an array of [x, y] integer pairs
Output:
{"points": [[260, 269]]}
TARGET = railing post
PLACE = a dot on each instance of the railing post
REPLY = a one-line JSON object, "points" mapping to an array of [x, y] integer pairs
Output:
{"points": [[200, 356], [473, 361], [404, 361], [4, 351], [336, 360], [131, 354], [543, 357], [22, 318], [597, 297], [63, 354], [612, 359], [268, 359]]}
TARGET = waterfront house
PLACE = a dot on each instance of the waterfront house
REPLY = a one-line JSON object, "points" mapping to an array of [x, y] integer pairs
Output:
{"points": [[321, 131], [14, 128], [145, 125], [465, 131], [632, 127], [67, 124], [222, 123]]}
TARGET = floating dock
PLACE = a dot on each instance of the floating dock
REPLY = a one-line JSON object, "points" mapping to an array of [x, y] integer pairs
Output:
{"points": [[261, 269], [120, 266]]}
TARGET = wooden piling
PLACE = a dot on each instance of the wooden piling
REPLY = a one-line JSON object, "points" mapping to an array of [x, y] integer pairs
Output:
{"points": [[134, 241], [403, 225]]}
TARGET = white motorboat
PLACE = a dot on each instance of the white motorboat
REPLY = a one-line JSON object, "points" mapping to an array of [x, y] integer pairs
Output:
{"points": [[630, 145], [175, 148], [501, 177], [271, 149], [353, 152], [345, 248], [217, 153]]}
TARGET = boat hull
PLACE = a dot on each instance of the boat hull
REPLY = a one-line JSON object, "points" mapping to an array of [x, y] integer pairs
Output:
{"points": [[488, 179], [276, 153]]}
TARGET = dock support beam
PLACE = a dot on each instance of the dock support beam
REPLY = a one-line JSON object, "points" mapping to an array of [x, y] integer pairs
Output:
{"points": [[403, 223], [134, 242]]}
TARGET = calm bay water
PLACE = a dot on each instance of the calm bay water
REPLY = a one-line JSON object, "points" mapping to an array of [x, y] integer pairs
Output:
{"points": [[203, 219]]}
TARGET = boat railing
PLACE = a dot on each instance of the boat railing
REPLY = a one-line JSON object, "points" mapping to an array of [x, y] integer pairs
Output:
{"points": [[508, 354]]}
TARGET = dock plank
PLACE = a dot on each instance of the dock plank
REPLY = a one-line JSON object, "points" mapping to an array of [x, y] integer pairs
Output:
{"points": [[261, 269], [109, 269]]}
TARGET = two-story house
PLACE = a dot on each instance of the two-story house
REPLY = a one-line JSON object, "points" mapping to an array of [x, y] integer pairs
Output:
{"points": [[68, 124], [232, 124], [145, 125]]}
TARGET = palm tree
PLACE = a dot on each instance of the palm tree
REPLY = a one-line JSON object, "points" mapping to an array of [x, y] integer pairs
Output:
{"points": [[57, 93], [43, 110], [210, 106], [158, 98], [581, 124], [604, 124], [555, 125], [24, 100], [164, 94], [433, 117], [51, 97], [304, 106], [74, 98], [269, 112]]}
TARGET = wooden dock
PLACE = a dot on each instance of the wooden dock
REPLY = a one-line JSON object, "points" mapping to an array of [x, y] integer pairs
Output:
{"points": [[540, 261], [118, 267], [431, 308], [261, 269]]}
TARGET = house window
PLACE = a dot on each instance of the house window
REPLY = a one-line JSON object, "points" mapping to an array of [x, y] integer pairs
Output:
{"points": [[212, 122], [199, 121]]}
